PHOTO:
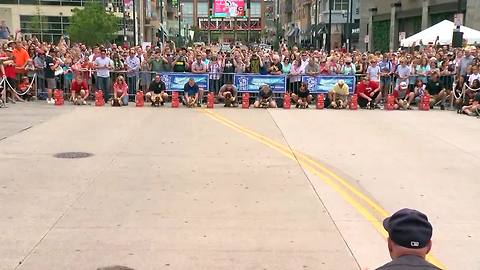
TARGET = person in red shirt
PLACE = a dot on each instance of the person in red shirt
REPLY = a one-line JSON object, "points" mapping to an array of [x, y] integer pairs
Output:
{"points": [[25, 89], [10, 75], [368, 93], [79, 90], [403, 96], [120, 92]]}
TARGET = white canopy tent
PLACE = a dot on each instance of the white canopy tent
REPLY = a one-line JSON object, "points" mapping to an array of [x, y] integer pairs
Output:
{"points": [[443, 30]]}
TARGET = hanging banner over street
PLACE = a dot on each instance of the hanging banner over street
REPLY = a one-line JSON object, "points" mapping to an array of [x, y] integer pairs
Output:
{"points": [[228, 8]]}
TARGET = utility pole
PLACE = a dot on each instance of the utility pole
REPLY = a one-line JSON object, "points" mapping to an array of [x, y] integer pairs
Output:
{"points": [[179, 23], [134, 24], [249, 21], [210, 6], [124, 23], [314, 34], [329, 30], [349, 26], [161, 22]]}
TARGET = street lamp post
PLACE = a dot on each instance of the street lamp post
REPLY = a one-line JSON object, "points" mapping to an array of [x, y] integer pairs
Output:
{"points": [[124, 24], [329, 30], [180, 5], [314, 30], [134, 24], [61, 22], [161, 21]]}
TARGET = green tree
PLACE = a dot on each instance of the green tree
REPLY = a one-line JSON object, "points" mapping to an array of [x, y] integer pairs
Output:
{"points": [[37, 23], [92, 25]]}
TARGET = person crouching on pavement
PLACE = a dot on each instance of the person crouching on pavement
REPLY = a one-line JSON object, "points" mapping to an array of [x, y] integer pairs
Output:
{"points": [[120, 92], [403, 97], [156, 92], [265, 98], [338, 95], [192, 94], [474, 108], [436, 90], [409, 240], [368, 93], [79, 90], [228, 94], [302, 96]]}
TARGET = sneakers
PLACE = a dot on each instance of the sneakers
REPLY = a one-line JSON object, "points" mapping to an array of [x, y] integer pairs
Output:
{"points": [[84, 102], [50, 101]]}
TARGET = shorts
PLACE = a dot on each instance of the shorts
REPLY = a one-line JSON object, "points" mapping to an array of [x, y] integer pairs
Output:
{"points": [[51, 83]]}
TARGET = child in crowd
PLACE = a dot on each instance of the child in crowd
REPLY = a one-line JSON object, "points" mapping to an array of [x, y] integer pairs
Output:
{"points": [[25, 89]]}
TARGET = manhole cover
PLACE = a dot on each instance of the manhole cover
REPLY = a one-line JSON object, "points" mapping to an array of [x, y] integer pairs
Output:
{"points": [[73, 155]]}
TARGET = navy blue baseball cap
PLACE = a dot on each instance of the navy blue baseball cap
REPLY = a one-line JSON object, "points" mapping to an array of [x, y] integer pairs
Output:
{"points": [[409, 228]]}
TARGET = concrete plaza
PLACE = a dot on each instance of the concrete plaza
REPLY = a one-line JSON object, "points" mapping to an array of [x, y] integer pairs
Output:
{"points": [[230, 188]]}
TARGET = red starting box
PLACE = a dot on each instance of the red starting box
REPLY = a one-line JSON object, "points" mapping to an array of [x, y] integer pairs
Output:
{"points": [[424, 104], [139, 99], [175, 100], [99, 100], [320, 101], [58, 97], [354, 102], [390, 104], [246, 100], [287, 103], [210, 100]]}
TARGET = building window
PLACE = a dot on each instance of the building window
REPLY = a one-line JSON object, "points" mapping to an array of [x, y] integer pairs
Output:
{"points": [[256, 9], [340, 5], [48, 28], [187, 9], [53, 2], [202, 10]]}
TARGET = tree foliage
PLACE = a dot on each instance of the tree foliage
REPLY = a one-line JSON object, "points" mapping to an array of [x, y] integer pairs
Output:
{"points": [[37, 23], [92, 25]]}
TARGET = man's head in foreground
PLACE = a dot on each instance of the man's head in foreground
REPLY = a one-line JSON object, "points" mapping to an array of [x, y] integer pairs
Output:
{"points": [[409, 233]]}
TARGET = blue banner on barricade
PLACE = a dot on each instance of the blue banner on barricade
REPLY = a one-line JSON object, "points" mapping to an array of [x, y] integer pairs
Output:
{"points": [[251, 83], [323, 84], [176, 81]]}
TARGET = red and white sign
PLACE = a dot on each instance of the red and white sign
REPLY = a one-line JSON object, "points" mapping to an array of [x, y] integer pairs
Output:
{"points": [[229, 8]]}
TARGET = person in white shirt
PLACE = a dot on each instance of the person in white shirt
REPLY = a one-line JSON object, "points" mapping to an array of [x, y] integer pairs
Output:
{"points": [[103, 64], [373, 71], [474, 76]]}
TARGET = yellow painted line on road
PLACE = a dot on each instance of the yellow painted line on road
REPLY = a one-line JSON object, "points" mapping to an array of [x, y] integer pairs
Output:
{"points": [[382, 212], [340, 185]]}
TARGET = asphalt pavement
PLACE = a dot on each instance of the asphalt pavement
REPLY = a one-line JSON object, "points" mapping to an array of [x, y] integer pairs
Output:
{"points": [[226, 188]]}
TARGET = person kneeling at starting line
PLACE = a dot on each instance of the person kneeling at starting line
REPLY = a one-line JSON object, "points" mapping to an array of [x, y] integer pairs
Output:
{"points": [[265, 98], [338, 95], [302, 96], [228, 94], [369, 93], [156, 92], [79, 90], [403, 97], [192, 94], [120, 92]]}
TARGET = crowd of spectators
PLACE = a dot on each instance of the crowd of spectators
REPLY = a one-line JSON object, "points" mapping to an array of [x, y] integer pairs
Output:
{"points": [[447, 75]]}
